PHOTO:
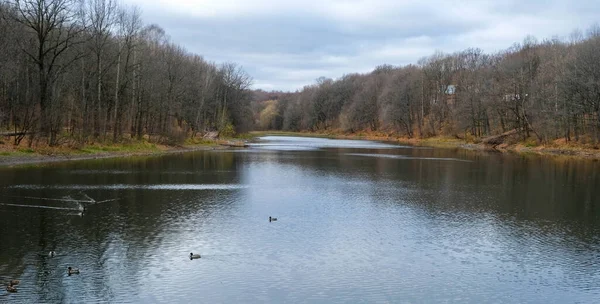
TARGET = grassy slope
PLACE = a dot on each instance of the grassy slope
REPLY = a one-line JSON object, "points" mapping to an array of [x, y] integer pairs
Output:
{"points": [[16, 155]]}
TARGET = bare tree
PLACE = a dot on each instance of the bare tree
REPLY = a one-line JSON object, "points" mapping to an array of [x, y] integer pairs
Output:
{"points": [[540, 91], [100, 18], [51, 29], [129, 27]]}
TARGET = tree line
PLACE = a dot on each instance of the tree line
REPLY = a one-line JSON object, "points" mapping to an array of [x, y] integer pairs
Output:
{"points": [[542, 91], [79, 71]]}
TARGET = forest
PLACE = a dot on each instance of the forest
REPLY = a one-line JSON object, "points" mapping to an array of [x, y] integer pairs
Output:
{"points": [[80, 71], [74, 72], [543, 92]]}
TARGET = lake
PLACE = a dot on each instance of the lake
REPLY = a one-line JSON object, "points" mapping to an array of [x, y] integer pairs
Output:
{"points": [[357, 222]]}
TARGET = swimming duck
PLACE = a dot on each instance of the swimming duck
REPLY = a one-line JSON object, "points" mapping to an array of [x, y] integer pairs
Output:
{"points": [[272, 219], [71, 270], [194, 256], [14, 282], [11, 288], [52, 253]]}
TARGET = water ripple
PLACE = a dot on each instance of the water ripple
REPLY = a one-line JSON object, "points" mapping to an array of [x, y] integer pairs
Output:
{"points": [[127, 186], [401, 157], [348, 230]]}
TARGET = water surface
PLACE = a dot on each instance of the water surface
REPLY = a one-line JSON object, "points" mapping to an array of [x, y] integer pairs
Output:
{"points": [[358, 221]]}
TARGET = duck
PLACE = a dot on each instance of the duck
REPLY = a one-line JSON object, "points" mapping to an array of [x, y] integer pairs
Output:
{"points": [[71, 270], [14, 282], [11, 288], [272, 219], [52, 253], [194, 256]]}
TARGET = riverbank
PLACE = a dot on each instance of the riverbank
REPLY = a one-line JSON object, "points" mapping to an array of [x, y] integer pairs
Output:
{"points": [[557, 149], [15, 156]]}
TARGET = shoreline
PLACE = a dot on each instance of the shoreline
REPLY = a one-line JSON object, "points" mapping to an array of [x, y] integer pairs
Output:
{"points": [[41, 159], [574, 152], [37, 158]]}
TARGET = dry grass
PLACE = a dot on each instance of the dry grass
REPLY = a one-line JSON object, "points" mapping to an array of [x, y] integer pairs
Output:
{"points": [[558, 147], [127, 146]]}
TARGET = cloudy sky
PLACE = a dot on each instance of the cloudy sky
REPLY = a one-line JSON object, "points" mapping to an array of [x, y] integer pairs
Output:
{"points": [[285, 44]]}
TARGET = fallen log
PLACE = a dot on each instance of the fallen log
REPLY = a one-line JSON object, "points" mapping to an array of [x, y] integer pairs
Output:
{"points": [[230, 143], [211, 135], [9, 134], [499, 139]]}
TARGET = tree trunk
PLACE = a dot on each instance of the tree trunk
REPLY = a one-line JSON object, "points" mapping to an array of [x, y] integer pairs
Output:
{"points": [[116, 116], [98, 98]]}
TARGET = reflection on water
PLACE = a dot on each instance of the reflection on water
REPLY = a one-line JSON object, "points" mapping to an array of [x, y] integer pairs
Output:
{"points": [[407, 157], [287, 143], [358, 221]]}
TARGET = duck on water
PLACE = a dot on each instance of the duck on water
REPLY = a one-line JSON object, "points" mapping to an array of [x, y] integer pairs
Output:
{"points": [[10, 287]]}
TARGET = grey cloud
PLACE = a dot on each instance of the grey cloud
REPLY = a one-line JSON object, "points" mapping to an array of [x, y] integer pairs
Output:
{"points": [[290, 45]]}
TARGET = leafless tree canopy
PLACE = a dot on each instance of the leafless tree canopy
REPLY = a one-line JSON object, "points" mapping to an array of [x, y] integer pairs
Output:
{"points": [[85, 70], [544, 91]]}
